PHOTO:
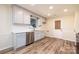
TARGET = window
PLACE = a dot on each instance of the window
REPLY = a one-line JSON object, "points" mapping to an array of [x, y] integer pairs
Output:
{"points": [[33, 22], [57, 24]]}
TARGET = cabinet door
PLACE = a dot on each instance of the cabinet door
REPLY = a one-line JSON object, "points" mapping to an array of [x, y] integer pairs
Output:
{"points": [[17, 15], [20, 39], [26, 18], [39, 22], [39, 35]]}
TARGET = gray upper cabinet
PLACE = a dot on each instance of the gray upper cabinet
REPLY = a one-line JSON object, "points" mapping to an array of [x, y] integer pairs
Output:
{"points": [[17, 15], [20, 16], [26, 17]]}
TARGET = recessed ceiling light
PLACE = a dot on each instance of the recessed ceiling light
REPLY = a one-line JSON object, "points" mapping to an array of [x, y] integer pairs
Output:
{"points": [[50, 7], [32, 4], [65, 10], [48, 14]]}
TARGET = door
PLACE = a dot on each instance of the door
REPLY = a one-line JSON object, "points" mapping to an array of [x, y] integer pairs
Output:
{"points": [[68, 28]]}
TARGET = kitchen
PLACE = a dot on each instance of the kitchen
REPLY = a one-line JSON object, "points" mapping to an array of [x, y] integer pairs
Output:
{"points": [[33, 26], [24, 29]]}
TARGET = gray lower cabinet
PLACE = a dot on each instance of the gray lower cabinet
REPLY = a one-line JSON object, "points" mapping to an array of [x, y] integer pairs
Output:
{"points": [[39, 35], [23, 39], [20, 39]]}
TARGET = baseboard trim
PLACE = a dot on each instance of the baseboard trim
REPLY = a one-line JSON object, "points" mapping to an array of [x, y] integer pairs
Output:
{"points": [[40, 39], [6, 50], [17, 49]]}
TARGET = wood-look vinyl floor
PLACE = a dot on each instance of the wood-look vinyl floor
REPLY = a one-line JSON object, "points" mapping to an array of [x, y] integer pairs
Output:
{"points": [[48, 46]]}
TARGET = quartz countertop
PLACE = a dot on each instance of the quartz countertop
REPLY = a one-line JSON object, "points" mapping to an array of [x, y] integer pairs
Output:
{"points": [[29, 30]]}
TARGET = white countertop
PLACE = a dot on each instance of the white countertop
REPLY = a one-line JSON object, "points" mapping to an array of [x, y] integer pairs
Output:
{"points": [[30, 30]]}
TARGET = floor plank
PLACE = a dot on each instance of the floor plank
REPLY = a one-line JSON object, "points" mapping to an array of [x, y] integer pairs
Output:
{"points": [[49, 46]]}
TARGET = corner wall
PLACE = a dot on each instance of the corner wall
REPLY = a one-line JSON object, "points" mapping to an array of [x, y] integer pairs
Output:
{"points": [[67, 28], [5, 27], [76, 22]]}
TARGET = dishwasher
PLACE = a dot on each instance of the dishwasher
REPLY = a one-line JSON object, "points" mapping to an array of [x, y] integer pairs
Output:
{"points": [[29, 38]]}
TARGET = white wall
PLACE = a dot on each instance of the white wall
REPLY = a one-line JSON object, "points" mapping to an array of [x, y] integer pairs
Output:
{"points": [[67, 28], [5, 27], [76, 22]]}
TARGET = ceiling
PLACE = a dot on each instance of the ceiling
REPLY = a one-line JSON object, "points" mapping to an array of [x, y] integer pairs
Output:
{"points": [[58, 9]]}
